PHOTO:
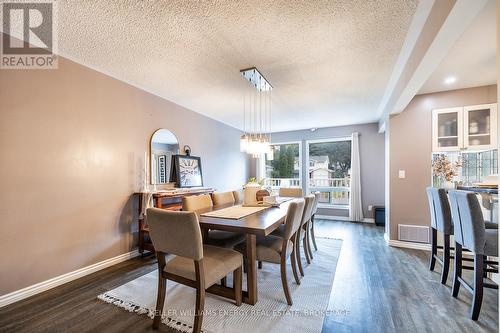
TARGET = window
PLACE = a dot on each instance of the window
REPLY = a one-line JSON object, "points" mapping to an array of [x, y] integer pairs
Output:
{"points": [[329, 171], [284, 170]]}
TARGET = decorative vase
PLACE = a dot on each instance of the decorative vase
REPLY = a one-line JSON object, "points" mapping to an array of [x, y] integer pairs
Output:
{"points": [[448, 185], [250, 193]]}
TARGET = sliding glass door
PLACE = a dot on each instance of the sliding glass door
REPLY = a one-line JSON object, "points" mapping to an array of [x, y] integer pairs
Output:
{"points": [[329, 166], [284, 170]]}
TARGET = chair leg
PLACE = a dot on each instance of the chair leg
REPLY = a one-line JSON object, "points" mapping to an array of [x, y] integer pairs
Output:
{"points": [[308, 233], [237, 282], [160, 301], [304, 245], [284, 281], [200, 295], [446, 259], [313, 237], [223, 281], [259, 264], [294, 264], [297, 251], [457, 269], [477, 298], [433, 249]]}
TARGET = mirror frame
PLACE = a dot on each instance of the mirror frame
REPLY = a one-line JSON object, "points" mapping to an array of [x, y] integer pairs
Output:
{"points": [[151, 153]]}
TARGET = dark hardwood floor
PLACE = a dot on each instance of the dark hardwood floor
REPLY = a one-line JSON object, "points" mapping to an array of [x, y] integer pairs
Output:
{"points": [[376, 289]]}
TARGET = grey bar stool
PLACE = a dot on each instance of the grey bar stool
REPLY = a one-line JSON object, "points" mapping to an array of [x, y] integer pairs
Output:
{"points": [[471, 233], [440, 221]]}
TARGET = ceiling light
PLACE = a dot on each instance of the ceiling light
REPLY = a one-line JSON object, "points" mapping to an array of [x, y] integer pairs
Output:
{"points": [[450, 80], [256, 139]]}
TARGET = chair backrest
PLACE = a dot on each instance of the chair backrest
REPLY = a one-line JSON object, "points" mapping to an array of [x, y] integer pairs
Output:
{"points": [[308, 207], [317, 195], [223, 198], [175, 232], [195, 202], [290, 192], [439, 208], [468, 220], [293, 217], [237, 196]]}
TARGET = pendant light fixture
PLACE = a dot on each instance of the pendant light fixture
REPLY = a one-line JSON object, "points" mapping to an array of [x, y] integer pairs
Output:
{"points": [[256, 138]]}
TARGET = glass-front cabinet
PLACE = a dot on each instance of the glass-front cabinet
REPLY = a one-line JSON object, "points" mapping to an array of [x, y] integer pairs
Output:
{"points": [[447, 126], [464, 128], [480, 126]]}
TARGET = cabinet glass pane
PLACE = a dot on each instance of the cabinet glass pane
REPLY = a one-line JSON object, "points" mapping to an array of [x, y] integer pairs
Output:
{"points": [[447, 142], [479, 122], [447, 124], [479, 140]]}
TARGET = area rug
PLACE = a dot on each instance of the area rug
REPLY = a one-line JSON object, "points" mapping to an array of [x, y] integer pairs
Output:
{"points": [[270, 314]]}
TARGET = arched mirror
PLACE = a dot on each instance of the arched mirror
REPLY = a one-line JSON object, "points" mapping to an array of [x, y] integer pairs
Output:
{"points": [[164, 145]]}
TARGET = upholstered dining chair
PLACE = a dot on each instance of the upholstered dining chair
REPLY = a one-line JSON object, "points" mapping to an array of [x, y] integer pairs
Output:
{"points": [[277, 250], [295, 192], [317, 195], [440, 213], [302, 235], [195, 202], [471, 233], [223, 198], [237, 196], [212, 237], [195, 265]]}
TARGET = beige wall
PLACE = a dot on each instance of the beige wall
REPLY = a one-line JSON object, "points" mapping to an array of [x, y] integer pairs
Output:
{"points": [[411, 150], [72, 145]]}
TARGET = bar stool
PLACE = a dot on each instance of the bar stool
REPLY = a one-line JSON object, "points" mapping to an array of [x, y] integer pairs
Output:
{"points": [[471, 234], [440, 221]]}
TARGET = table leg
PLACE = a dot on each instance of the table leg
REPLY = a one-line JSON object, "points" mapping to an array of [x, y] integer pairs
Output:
{"points": [[251, 297]]}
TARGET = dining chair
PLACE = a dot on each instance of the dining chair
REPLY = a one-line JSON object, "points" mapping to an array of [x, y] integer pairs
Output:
{"points": [[237, 196], [195, 265], [301, 232], [195, 202], [212, 237], [471, 234], [439, 208], [277, 250], [317, 195], [223, 198], [295, 192]]}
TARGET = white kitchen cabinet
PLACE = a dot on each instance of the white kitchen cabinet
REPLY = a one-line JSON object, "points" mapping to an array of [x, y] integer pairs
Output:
{"points": [[480, 126], [469, 128]]}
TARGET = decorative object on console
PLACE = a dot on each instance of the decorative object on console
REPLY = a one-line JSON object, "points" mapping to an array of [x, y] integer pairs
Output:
{"points": [[187, 150], [188, 171]]}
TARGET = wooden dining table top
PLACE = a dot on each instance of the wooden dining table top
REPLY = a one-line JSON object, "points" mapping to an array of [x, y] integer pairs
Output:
{"points": [[260, 223]]}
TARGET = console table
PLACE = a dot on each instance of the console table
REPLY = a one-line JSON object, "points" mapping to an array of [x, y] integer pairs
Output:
{"points": [[166, 199]]}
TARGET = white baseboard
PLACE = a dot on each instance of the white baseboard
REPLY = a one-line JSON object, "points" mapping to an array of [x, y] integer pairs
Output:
{"points": [[62, 279], [342, 218], [407, 245]]}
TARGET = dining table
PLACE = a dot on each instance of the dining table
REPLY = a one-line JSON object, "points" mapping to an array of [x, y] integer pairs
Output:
{"points": [[260, 223]]}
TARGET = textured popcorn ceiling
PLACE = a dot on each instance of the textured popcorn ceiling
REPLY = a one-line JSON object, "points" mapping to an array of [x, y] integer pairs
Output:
{"points": [[329, 61]]}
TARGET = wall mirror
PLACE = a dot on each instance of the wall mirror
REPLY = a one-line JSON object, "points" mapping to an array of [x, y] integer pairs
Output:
{"points": [[163, 146]]}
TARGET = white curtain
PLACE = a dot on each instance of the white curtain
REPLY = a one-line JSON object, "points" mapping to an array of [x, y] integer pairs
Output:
{"points": [[355, 206]]}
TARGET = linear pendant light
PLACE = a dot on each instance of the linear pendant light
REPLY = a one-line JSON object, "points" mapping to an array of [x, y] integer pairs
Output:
{"points": [[256, 139]]}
